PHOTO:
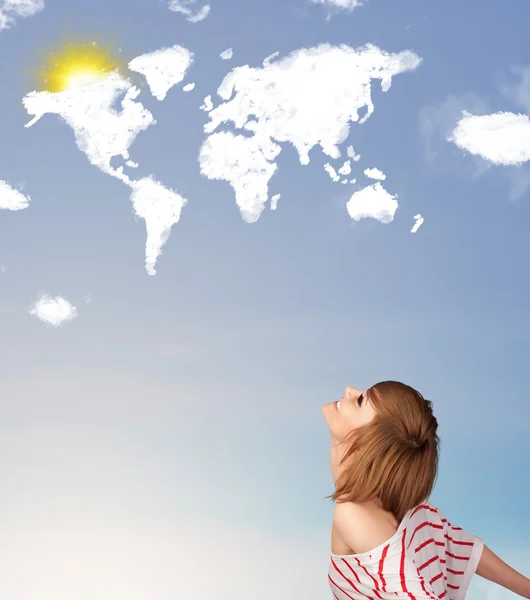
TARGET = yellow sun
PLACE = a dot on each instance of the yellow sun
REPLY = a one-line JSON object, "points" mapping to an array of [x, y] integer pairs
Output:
{"points": [[77, 64]]}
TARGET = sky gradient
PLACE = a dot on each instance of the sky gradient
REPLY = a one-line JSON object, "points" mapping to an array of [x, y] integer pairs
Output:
{"points": [[168, 442]]}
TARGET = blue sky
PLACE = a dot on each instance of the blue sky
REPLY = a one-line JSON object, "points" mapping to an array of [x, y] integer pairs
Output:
{"points": [[184, 408]]}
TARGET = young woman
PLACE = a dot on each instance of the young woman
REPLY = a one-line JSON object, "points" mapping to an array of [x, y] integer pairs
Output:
{"points": [[387, 538]]}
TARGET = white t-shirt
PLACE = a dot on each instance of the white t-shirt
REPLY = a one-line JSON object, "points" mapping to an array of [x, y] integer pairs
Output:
{"points": [[426, 559]]}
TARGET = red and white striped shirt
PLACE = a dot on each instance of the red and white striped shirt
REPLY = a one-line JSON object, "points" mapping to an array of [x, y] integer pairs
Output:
{"points": [[426, 559]]}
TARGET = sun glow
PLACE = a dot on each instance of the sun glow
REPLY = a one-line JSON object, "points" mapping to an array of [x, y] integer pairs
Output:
{"points": [[77, 65]]}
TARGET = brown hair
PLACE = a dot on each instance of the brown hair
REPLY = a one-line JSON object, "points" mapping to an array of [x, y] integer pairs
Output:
{"points": [[397, 459]]}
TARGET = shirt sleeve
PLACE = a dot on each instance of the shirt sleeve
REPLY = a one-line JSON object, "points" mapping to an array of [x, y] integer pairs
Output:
{"points": [[462, 555]]}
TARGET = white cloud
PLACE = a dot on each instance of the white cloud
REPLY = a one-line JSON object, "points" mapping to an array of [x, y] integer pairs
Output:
{"points": [[10, 10], [375, 174], [372, 201], [352, 155], [227, 54], [163, 68], [101, 132], [53, 311], [331, 172], [282, 102], [160, 207], [502, 138], [268, 59], [181, 6], [348, 5], [241, 162], [419, 222], [346, 168], [11, 198], [274, 201], [208, 104], [188, 87]]}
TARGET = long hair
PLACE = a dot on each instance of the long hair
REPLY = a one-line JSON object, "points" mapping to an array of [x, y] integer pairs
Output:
{"points": [[395, 456]]}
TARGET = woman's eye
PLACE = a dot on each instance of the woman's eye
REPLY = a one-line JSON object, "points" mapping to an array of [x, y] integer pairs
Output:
{"points": [[360, 400]]}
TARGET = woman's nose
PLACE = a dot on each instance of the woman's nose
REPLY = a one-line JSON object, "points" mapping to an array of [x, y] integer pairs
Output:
{"points": [[352, 391]]}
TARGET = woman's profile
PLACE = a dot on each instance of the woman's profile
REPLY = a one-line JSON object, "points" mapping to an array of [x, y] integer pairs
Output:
{"points": [[387, 538]]}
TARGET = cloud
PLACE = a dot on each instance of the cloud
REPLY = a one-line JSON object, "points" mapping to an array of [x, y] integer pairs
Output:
{"points": [[437, 122], [181, 6], [11, 198], [346, 168], [374, 202], [419, 222], [53, 311], [447, 122], [227, 54], [163, 68], [331, 172], [282, 102], [375, 174], [502, 138], [102, 132], [160, 207], [10, 10], [348, 5]]}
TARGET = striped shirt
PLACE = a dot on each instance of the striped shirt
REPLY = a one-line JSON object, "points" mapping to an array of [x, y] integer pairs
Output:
{"points": [[426, 559]]}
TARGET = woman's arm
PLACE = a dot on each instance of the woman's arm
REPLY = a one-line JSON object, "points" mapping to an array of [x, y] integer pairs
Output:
{"points": [[494, 569]]}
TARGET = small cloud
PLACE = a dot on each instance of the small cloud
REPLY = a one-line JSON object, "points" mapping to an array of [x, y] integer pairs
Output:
{"points": [[502, 138], [163, 68], [208, 104], [419, 222], [11, 198], [274, 201], [351, 153], [227, 54], [438, 125], [268, 59], [346, 168], [53, 311], [375, 174], [10, 10], [188, 87], [374, 202], [347, 5], [331, 172], [181, 6]]}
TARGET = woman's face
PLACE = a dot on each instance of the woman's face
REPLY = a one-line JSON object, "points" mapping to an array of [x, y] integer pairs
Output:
{"points": [[350, 412]]}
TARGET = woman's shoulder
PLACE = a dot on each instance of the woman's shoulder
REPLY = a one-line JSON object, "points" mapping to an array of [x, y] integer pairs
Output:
{"points": [[362, 527]]}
